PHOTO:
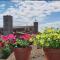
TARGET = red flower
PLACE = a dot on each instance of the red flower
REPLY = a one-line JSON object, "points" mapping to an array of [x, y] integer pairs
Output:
{"points": [[14, 41], [11, 36], [25, 36], [1, 44], [5, 38]]}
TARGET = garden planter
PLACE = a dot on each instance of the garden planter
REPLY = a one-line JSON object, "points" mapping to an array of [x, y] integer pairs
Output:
{"points": [[22, 53], [52, 53]]}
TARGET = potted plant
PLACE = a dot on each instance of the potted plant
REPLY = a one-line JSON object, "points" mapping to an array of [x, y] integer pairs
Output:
{"points": [[49, 40], [20, 46], [5, 49]]}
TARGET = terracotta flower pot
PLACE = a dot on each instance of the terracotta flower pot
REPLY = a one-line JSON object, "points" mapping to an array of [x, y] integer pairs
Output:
{"points": [[52, 53], [22, 53]]}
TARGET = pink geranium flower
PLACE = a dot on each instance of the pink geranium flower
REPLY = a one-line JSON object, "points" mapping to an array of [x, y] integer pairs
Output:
{"points": [[25, 36], [11, 36], [5, 38]]}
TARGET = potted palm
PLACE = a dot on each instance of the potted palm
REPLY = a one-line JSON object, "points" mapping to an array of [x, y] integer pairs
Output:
{"points": [[19, 45], [49, 39]]}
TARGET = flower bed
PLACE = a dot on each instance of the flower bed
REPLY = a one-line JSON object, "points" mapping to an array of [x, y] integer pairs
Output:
{"points": [[49, 38], [11, 41]]}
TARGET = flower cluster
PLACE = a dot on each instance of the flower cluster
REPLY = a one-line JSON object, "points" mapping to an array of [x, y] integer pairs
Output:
{"points": [[50, 38], [4, 40], [12, 39], [8, 42]]}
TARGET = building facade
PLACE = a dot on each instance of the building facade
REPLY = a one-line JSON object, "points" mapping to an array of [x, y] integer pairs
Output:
{"points": [[7, 26]]}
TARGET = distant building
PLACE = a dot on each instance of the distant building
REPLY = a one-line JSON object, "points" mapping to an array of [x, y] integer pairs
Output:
{"points": [[7, 24], [28, 29], [35, 27]]}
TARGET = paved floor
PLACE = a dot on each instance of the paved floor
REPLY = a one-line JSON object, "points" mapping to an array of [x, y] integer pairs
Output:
{"points": [[36, 54]]}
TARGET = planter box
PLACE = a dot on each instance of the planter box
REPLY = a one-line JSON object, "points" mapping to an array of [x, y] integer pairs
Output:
{"points": [[22, 53], [52, 53]]}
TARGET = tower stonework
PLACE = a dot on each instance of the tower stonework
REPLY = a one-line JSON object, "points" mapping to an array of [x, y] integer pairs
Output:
{"points": [[35, 27], [7, 25]]}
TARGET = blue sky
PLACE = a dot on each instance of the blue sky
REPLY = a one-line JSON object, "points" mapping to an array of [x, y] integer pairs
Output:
{"points": [[26, 12], [54, 16]]}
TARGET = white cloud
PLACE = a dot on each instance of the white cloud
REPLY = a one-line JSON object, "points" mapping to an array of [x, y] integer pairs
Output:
{"points": [[49, 25], [26, 11], [2, 6], [15, 0]]}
